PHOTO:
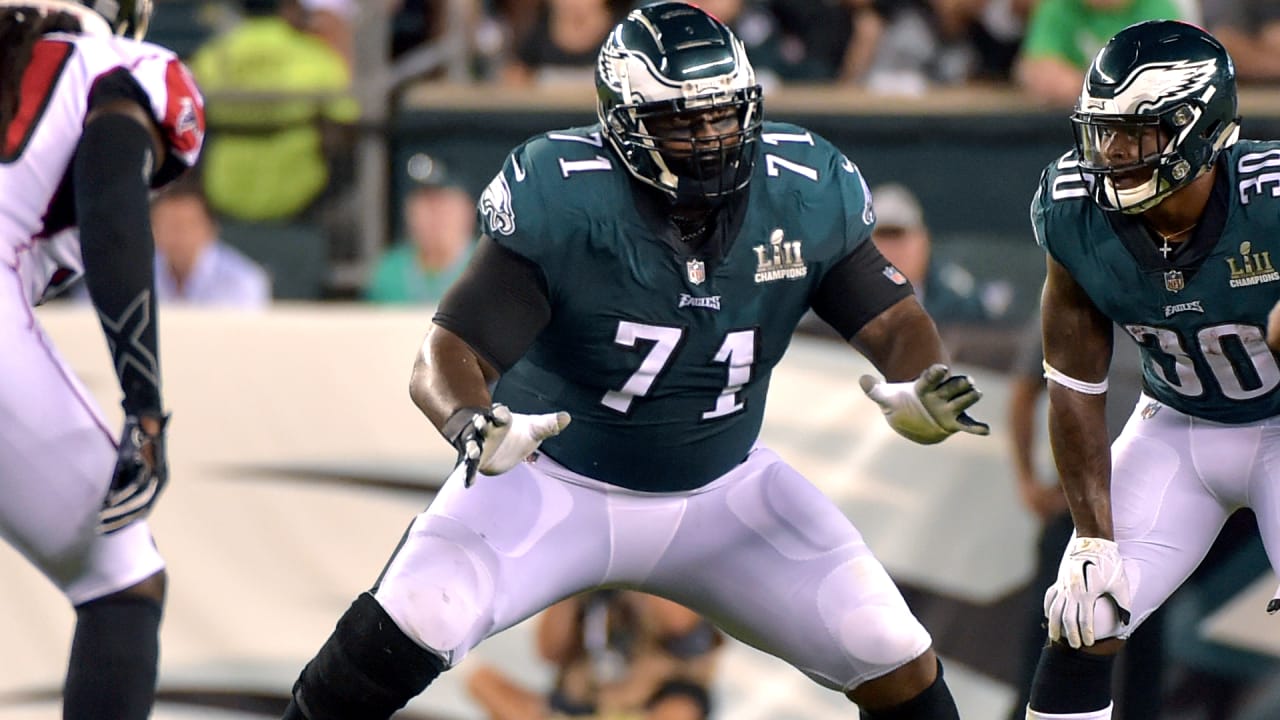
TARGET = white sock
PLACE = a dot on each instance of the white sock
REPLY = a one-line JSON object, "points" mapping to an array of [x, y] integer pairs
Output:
{"points": [[1103, 714]]}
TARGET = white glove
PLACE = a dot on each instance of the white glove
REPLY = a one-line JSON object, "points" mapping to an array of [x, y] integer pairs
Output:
{"points": [[1091, 569], [493, 442], [930, 408]]}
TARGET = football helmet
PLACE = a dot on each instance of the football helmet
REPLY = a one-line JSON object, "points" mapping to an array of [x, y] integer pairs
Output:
{"points": [[128, 18], [678, 101], [1158, 105]]}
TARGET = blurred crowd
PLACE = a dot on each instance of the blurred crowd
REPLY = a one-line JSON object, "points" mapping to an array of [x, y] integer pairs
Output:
{"points": [[892, 46], [279, 77]]}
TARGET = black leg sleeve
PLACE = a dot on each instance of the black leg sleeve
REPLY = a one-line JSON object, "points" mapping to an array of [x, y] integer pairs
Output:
{"points": [[112, 671], [934, 703], [111, 167], [1071, 681], [366, 670]]}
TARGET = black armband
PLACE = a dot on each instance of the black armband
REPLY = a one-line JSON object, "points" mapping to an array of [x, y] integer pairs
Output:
{"points": [[498, 305], [110, 174], [857, 289]]}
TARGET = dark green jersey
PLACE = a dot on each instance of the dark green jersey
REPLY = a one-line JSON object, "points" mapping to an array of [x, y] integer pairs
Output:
{"points": [[1199, 316], [663, 358]]}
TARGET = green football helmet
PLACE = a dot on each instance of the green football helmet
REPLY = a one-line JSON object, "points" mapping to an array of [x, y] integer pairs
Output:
{"points": [[128, 18], [1158, 105], [665, 71]]}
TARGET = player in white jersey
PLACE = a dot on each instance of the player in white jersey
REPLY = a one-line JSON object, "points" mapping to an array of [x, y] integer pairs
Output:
{"points": [[90, 120]]}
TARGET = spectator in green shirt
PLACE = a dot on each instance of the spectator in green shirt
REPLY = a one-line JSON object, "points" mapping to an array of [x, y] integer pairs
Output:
{"points": [[272, 88], [440, 224], [1063, 37]]}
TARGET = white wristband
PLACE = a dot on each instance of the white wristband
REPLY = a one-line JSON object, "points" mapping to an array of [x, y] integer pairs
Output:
{"points": [[1066, 381]]}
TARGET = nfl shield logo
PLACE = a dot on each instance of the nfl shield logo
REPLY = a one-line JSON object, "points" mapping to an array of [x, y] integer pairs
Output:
{"points": [[697, 271], [1173, 280]]}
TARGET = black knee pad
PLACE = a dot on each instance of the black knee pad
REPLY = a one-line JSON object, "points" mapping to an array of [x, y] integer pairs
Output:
{"points": [[934, 703], [366, 670], [1071, 681]]}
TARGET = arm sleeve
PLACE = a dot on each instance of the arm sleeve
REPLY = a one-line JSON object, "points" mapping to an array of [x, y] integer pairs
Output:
{"points": [[110, 171], [498, 305], [858, 288]]}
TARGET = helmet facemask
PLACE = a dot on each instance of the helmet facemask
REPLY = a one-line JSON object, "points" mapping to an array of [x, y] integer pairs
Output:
{"points": [[1138, 160], [1127, 157], [699, 149]]}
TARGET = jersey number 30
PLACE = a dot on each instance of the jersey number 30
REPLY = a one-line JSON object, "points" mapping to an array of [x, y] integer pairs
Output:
{"points": [[1235, 356]]}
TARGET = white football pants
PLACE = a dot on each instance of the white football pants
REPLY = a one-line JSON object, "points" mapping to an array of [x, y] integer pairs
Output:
{"points": [[56, 459], [1174, 481], [760, 551]]}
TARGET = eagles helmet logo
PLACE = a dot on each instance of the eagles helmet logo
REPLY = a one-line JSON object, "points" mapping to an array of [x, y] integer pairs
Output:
{"points": [[1154, 85]]}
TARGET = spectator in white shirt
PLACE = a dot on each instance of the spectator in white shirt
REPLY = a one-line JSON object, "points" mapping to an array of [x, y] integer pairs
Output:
{"points": [[192, 264]]}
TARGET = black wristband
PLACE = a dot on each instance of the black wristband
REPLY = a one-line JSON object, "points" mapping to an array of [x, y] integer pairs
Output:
{"points": [[457, 423]]}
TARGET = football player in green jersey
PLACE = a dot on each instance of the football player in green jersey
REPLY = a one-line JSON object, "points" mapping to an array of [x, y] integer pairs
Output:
{"points": [[643, 276], [1164, 223]]}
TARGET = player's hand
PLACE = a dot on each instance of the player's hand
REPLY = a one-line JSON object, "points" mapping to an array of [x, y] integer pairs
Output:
{"points": [[497, 440], [141, 472], [929, 409], [1090, 570]]}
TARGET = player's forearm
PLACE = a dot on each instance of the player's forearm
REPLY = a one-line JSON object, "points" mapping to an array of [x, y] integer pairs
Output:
{"points": [[114, 157], [1078, 435], [448, 376], [902, 341]]}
